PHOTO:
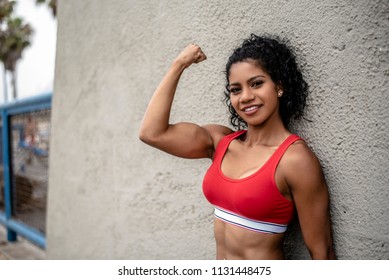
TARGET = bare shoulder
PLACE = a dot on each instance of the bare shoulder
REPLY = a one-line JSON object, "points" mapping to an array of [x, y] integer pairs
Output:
{"points": [[300, 154], [301, 166]]}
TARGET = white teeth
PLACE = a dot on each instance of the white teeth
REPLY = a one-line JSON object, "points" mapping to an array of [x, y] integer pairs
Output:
{"points": [[250, 108]]}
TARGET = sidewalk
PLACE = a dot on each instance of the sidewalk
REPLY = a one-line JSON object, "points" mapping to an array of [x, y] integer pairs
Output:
{"points": [[19, 250]]}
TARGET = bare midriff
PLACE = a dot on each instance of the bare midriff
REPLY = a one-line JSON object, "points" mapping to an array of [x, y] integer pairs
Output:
{"points": [[236, 243]]}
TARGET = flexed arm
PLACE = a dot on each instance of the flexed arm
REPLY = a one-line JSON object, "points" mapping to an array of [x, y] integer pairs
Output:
{"points": [[186, 140]]}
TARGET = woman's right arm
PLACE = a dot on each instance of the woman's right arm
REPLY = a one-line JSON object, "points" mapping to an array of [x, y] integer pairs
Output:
{"points": [[185, 140]]}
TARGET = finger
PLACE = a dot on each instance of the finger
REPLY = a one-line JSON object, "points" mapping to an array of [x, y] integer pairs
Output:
{"points": [[201, 56], [196, 47]]}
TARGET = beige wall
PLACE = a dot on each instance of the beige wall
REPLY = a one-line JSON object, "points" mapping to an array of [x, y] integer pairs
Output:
{"points": [[112, 197]]}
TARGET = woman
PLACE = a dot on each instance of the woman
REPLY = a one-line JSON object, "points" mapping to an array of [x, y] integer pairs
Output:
{"points": [[261, 175]]}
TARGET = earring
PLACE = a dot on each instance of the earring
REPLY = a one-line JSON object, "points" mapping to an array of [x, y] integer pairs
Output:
{"points": [[280, 93]]}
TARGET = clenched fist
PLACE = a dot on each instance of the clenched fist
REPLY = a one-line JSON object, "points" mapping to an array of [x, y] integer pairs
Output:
{"points": [[191, 54]]}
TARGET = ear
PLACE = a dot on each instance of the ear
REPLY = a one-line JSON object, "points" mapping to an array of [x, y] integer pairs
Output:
{"points": [[280, 90]]}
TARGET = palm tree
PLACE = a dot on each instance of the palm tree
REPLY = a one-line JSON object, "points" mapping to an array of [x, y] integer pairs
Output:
{"points": [[6, 8], [13, 40], [51, 3]]}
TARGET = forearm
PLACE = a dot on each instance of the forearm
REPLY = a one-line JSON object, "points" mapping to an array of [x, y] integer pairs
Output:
{"points": [[320, 242], [324, 253], [156, 118]]}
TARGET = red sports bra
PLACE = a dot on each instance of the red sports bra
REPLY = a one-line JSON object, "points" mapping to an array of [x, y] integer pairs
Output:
{"points": [[254, 202]]}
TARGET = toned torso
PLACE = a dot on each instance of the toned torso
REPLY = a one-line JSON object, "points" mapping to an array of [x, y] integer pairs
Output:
{"points": [[234, 242]]}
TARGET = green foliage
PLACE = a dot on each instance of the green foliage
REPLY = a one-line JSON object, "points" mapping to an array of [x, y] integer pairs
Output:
{"points": [[14, 38], [15, 35], [6, 8], [52, 4]]}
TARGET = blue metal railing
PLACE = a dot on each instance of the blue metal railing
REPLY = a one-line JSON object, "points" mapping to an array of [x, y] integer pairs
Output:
{"points": [[21, 106]]}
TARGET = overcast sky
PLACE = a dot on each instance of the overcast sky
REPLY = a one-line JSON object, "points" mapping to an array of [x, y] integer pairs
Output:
{"points": [[35, 71]]}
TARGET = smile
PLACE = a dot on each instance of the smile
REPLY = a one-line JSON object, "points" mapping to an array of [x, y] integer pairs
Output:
{"points": [[251, 109]]}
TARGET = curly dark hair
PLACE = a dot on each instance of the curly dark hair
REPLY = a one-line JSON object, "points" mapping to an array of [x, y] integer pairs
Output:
{"points": [[277, 58]]}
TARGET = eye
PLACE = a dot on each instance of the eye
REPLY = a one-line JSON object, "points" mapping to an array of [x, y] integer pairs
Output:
{"points": [[257, 83], [234, 90]]}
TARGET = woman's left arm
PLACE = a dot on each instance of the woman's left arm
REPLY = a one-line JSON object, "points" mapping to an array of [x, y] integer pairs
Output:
{"points": [[309, 190]]}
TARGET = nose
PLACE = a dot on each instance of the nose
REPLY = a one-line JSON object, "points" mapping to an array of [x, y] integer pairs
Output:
{"points": [[246, 95]]}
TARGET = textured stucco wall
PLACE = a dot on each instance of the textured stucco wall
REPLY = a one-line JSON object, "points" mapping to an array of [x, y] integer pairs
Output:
{"points": [[112, 197]]}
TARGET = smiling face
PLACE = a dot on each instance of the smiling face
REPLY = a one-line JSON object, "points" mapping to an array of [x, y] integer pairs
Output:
{"points": [[253, 94]]}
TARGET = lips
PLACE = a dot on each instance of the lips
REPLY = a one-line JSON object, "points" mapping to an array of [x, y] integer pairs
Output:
{"points": [[252, 109]]}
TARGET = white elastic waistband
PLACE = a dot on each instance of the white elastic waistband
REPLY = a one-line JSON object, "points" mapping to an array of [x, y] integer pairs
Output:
{"points": [[264, 227]]}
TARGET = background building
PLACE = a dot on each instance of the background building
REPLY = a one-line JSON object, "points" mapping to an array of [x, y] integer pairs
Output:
{"points": [[112, 197]]}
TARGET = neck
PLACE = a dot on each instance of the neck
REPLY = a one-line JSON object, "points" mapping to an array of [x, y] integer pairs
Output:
{"points": [[268, 135]]}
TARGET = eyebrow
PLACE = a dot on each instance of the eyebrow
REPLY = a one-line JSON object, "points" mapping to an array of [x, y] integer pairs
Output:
{"points": [[249, 80]]}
